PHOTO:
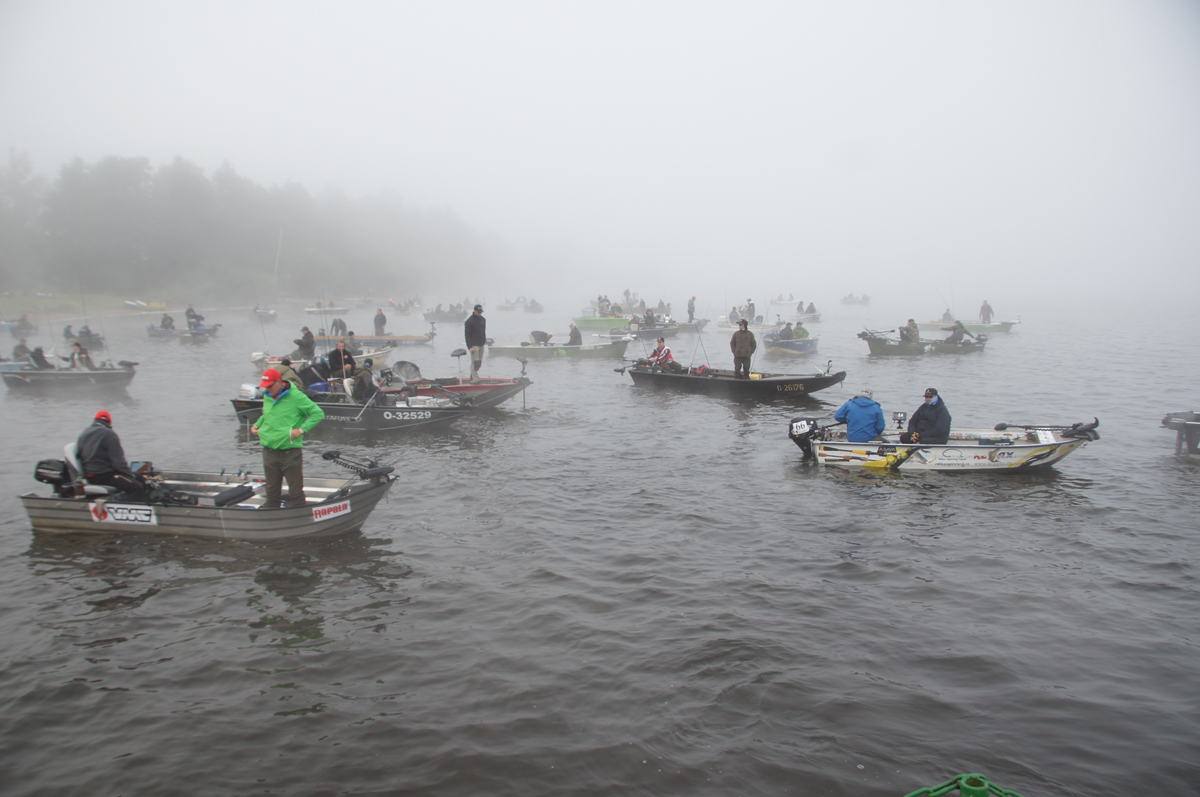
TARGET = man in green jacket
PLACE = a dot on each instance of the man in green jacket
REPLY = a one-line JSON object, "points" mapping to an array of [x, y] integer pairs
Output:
{"points": [[287, 414]]}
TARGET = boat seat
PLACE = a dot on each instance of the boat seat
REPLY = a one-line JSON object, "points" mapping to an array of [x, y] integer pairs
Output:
{"points": [[75, 468]]}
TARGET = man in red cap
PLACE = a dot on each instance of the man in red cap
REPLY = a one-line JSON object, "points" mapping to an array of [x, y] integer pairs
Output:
{"points": [[102, 459], [286, 415]]}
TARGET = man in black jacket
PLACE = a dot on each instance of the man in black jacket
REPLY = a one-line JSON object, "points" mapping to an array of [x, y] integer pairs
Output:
{"points": [[475, 330], [103, 460], [930, 424]]}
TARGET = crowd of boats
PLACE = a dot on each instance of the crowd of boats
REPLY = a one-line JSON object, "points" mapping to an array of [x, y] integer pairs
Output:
{"points": [[396, 397]]}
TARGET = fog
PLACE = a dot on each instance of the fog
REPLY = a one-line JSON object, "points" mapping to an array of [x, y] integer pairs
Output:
{"points": [[675, 148]]}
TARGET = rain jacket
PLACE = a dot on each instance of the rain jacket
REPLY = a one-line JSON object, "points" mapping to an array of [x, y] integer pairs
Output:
{"points": [[100, 451], [863, 418], [743, 344], [291, 410]]}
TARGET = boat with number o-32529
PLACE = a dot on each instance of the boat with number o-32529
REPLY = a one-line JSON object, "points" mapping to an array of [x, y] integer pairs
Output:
{"points": [[385, 414]]}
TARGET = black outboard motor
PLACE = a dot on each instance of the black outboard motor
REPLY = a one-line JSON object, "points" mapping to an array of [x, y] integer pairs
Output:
{"points": [[803, 430], [54, 472]]}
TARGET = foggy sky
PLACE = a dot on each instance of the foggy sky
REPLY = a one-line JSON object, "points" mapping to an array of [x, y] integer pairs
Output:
{"points": [[673, 147]]}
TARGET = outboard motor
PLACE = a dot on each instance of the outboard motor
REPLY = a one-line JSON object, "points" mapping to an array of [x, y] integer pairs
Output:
{"points": [[802, 430]]}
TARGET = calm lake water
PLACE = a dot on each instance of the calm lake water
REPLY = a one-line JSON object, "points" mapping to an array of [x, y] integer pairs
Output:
{"points": [[601, 589]]}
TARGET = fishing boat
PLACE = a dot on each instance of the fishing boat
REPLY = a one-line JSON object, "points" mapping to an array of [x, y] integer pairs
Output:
{"points": [[758, 328], [405, 379], [960, 347], [976, 328], [508, 307], [446, 316], [1187, 432], [600, 321], [883, 346], [89, 341], [331, 310], [761, 386], [548, 351], [265, 314], [643, 332], [1006, 447], [262, 360], [105, 376], [379, 341], [774, 346], [386, 414], [534, 306], [199, 333], [158, 333], [213, 505], [693, 326]]}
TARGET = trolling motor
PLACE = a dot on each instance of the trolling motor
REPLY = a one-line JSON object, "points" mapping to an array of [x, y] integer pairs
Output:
{"points": [[370, 470]]}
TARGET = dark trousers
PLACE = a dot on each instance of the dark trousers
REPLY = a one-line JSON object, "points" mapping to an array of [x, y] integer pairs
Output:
{"points": [[133, 486], [280, 464], [741, 367]]}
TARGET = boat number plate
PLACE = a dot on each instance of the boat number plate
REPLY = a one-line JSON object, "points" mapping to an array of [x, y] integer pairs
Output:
{"points": [[800, 427], [408, 415]]}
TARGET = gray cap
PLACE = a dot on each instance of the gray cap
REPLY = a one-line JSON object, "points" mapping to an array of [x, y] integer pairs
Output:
{"points": [[866, 393]]}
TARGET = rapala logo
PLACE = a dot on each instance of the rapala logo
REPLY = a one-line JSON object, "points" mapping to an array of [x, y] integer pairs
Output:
{"points": [[325, 512], [124, 513]]}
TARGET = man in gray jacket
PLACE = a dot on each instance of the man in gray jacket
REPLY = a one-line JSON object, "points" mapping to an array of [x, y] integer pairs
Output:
{"points": [[103, 460], [743, 345]]}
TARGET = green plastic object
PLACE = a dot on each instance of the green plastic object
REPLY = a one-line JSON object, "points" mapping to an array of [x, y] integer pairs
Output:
{"points": [[970, 785]]}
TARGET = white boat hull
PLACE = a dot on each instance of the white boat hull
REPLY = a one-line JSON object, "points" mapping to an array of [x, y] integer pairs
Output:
{"points": [[967, 450]]}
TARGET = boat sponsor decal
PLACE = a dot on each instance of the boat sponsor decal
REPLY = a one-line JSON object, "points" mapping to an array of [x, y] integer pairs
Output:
{"points": [[326, 511], [136, 514], [408, 415], [885, 450]]}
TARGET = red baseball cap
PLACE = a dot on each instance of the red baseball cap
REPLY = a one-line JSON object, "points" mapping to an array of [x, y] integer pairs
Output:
{"points": [[269, 376], [103, 415]]}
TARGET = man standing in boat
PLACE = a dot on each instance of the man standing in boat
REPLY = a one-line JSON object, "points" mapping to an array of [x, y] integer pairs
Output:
{"points": [[286, 415], [380, 321], [475, 330], [691, 309], [930, 424], [743, 345], [985, 312], [102, 460]]}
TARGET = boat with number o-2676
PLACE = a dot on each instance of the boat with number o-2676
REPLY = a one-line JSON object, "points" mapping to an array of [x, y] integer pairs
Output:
{"points": [[214, 505], [721, 382], [1003, 448]]}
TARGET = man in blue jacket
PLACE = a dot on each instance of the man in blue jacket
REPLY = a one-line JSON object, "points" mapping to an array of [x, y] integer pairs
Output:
{"points": [[863, 417], [930, 424]]}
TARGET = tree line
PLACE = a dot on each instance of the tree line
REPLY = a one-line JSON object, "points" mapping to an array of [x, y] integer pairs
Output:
{"points": [[121, 226]]}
